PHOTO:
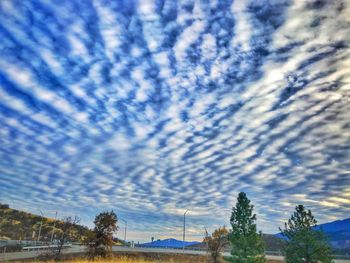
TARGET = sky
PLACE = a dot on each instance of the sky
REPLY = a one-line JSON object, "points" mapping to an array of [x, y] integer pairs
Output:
{"points": [[150, 108]]}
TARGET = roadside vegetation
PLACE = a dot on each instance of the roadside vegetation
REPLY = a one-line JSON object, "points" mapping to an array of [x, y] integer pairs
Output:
{"points": [[246, 243], [302, 242], [100, 241], [216, 243], [143, 258]]}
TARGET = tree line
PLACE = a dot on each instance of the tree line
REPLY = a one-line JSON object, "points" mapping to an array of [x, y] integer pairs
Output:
{"points": [[303, 243]]}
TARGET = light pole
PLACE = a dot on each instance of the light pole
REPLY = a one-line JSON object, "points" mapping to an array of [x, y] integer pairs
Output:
{"points": [[126, 225], [41, 224], [184, 231], [53, 229]]}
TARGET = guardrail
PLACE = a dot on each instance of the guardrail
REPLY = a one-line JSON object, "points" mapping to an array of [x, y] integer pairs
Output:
{"points": [[20, 242], [47, 247]]}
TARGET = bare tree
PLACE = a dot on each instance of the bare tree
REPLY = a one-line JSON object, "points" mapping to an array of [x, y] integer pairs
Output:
{"points": [[64, 236]]}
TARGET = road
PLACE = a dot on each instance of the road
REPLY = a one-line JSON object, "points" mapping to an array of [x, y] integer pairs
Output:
{"points": [[80, 249]]}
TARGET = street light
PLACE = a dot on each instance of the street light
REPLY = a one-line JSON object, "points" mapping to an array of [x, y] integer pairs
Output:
{"points": [[41, 224], [126, 225], [184, 231]]}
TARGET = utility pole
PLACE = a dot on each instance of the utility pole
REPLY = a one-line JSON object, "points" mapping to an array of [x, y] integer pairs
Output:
{"points": [[184, 231], [126, 226], [41, 224], [53, 229]]}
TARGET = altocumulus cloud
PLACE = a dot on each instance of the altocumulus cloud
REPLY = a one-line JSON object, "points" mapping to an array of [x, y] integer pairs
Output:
{"points": [[153, 107]]}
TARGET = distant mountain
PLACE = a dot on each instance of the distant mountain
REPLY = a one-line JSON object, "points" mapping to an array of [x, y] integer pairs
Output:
{"points": [[272, 243], [170, 242], [335, 226], [338, 233]]}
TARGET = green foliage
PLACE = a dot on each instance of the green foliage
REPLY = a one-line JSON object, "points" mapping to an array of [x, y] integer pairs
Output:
{"points": [[247, 245], [216, 243], [304, 243], [100, 241]]}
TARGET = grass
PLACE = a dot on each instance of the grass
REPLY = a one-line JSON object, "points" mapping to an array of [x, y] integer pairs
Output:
{"points": [[145, 258], [135, 258], [140, 260]]}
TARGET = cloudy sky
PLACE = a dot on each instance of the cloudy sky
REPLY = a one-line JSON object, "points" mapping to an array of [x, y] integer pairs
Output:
{"points": [[154, 107]]}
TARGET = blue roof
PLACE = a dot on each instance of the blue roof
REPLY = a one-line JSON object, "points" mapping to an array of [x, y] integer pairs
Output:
{"points": [[171, 242]]}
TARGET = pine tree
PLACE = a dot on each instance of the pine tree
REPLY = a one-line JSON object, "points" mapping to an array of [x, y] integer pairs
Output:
{"points": [[305, 244], [247, 244]]}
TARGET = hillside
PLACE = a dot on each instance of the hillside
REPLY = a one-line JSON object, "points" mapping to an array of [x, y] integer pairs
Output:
{"points": [[338, 233], [19, 225]]}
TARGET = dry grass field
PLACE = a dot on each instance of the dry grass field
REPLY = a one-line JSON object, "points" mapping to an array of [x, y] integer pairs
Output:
{"points": [[135, 260], [143, 258]]}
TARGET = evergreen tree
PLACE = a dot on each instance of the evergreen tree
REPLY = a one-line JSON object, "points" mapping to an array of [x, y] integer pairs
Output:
{"points": [[305, 244], [247, 244]]}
